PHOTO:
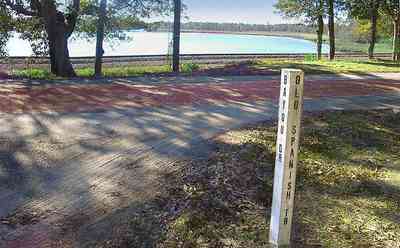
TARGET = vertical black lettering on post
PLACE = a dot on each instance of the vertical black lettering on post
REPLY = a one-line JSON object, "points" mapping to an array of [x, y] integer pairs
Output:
{"points": [[286, 219], [296, 105], [296, 93], [293, 140], [288, 195], [290, 105], [298, 79]]}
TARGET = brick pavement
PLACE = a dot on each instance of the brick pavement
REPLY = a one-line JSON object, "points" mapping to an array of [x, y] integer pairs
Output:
{"points": [[24, 98]]}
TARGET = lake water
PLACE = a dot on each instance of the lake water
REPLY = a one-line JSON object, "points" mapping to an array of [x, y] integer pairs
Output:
{"points": [[146, 43]]}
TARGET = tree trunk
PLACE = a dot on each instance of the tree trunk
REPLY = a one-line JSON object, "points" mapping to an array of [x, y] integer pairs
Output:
{"points": [[177, 34], [331, 24], [100, 38], [58, 35], [396, 39], [374, 22], [320, 34]]}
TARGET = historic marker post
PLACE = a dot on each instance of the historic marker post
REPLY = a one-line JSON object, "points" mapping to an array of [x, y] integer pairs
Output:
{"points": [[290, 111]]}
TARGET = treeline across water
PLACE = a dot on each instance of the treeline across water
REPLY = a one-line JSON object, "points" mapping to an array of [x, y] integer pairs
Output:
{"points": [[351, 35], [349, 25], [233, 27], [349, 29]]}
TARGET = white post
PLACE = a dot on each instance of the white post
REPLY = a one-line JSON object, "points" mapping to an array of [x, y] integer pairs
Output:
{"points": [[290, 111]]}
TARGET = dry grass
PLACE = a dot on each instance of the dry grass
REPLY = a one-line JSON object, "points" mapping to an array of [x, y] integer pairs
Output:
{"points": [[347, 192]]}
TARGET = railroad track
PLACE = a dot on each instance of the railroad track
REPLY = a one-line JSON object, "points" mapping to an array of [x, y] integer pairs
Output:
{"points": [[33, 62]]}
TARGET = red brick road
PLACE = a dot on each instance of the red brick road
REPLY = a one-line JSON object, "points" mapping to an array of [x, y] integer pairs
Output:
{"points": [[22, 98]]}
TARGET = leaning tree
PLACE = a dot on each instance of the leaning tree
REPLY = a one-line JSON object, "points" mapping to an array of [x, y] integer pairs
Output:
{"points": [[59, 18]]}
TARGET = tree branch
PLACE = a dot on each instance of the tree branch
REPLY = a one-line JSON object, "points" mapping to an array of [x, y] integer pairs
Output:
{"points": [[72, 17], [20, 8], [36, 5]]}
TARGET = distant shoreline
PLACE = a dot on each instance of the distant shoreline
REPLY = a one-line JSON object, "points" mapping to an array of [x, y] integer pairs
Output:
{"points": [[304, 36]]}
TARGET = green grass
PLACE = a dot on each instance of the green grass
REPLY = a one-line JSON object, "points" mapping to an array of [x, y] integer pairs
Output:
{"points": [[34, 74], [190, 67], [117, 71], [343, 45], [309, 65], [348, 187], [326, 66], [125, 71]]}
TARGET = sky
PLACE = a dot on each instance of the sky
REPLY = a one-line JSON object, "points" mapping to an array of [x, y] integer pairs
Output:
{"points": [[245, 11]]}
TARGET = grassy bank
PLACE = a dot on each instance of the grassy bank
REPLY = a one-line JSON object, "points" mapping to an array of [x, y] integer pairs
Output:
{"points": [[344, 45], [326, 66], [348, 187], [118, 71], [259, 67]]}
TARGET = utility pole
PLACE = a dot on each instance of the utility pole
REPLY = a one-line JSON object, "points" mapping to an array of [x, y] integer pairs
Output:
{"points": [[177, 35], [100, 38]]}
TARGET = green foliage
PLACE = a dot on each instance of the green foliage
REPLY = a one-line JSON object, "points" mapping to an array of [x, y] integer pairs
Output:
{"points": [[361, 12], [189, 67], [121, 15], [391, 8], [361, 9], [34, 74], [25, 18], [115, 24], [361, 31], [5, 28], [310, 57], [301, 9], [33, 30]]}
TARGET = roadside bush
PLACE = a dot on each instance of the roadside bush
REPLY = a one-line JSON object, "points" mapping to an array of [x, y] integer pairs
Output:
{"points": [[34, 73], [190, 67], [310, 57]]}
